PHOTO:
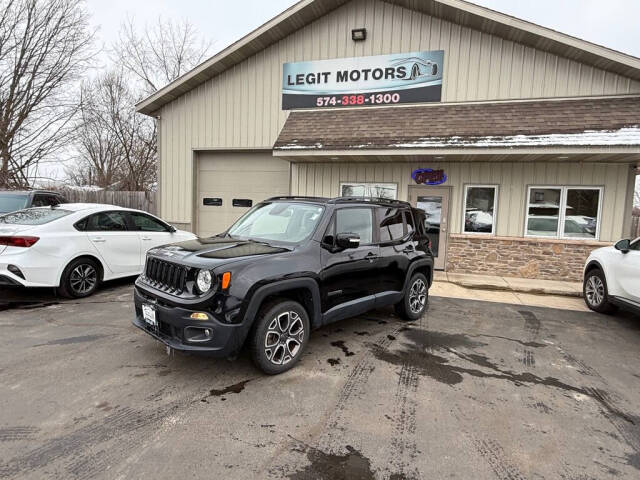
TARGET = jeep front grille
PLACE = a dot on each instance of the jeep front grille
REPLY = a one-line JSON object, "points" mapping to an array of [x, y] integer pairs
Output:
{"points": [[166, 275]]}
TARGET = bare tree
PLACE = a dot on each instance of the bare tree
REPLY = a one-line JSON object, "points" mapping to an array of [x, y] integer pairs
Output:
{"points": [[116, 147], [45, 45], [99, 160], [159, 54]]}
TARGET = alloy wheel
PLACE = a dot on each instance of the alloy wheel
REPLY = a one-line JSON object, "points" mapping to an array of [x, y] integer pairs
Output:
{"points": [[83, 279], [417, 296], [284, 338], [594, 290]]}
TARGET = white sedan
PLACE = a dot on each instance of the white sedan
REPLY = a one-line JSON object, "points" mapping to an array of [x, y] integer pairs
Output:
{"points": [[75, 246], [612, 277]]}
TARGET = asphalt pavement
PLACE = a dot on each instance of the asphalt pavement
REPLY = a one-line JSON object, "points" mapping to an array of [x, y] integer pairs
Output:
{"points": [[474, 389]]}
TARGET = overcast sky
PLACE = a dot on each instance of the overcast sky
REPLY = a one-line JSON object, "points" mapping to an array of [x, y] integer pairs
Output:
{"points": [[612, 23]]}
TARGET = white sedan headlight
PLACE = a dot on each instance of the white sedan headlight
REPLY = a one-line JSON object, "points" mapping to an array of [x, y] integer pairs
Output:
{"points": [[204, 281]]}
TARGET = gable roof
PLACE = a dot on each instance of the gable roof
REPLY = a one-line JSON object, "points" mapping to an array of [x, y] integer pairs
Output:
{"points": [[457, 11]]}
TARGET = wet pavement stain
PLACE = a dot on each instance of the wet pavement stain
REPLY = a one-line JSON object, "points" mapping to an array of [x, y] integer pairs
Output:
{"points": [[634, 460], [235, 388], [361, 333], [333, 361], [340, 344], [391, 337], [326, 466], [72, 340], [418, 353]]}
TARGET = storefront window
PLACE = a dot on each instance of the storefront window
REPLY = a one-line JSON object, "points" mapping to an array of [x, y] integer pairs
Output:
{"points": [[362, 189], [480, 208], [581, 213], [564, 212]]}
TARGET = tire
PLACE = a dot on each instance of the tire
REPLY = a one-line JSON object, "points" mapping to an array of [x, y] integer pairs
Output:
{"points": [[80, 279], [594, 291], [275, 346], [416, 298]]}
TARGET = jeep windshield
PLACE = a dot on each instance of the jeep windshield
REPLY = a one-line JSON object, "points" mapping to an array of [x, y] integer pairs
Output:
{"points": [[285, 222]]}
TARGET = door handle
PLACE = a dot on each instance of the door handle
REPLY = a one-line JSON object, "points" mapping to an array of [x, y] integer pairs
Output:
{"points": [[98, 240], [371, 256], [409, 249], [146, 238]]}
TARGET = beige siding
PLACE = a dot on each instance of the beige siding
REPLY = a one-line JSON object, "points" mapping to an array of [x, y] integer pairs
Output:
{"points": [[241, 108], [323, 179]]}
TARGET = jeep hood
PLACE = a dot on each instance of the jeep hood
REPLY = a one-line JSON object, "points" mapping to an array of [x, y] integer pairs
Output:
{"points": [[223, 249]]}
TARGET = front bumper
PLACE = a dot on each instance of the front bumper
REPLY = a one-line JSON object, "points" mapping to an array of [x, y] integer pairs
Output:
{"points": [[175, 327]]}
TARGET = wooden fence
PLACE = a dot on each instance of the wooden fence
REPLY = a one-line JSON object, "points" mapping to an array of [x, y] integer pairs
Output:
{"points": [[635, 227], [138, 200]]}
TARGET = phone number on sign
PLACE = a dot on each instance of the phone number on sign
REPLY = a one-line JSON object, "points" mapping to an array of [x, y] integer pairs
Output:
{"points": [[374, 99]]}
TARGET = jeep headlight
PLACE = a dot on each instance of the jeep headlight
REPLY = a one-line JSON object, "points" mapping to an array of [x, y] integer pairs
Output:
{"points": [[204, 281]]}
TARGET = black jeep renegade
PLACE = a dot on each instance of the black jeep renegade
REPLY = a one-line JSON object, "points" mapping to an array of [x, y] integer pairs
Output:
{"points": [[288, 266]]}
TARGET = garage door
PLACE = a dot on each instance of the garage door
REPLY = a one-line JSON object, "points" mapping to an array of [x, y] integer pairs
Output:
{"points": [[229, 182]]}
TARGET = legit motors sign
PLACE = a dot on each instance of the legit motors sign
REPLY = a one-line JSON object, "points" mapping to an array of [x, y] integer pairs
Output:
{"points": [[414, 77]]}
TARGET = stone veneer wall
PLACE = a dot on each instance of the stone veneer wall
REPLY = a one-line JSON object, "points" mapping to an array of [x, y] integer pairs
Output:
{"points": [[545, 259]]}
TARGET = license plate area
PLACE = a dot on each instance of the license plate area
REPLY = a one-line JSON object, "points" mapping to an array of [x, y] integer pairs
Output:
{"points": [[149, 315]]}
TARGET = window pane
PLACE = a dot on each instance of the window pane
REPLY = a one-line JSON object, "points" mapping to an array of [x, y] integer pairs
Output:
{"points": [[544, 211], [355, 220], [391, 225], [381, 190], [479, 209], [581, 213], [107, 222], [409, 219], [351, 190], [34, 216], [145, 223]]}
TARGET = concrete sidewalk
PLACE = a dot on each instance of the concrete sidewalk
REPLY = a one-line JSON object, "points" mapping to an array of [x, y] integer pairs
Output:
{"points": [[510, 284], [516, 291]]}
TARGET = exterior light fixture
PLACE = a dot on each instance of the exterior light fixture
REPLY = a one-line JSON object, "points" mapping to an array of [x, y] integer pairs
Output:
{"points": [[359, 34]]}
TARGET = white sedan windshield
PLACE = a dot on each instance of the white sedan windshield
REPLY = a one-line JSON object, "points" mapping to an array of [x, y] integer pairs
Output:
{"points": [[34, 216], [280, 221]]}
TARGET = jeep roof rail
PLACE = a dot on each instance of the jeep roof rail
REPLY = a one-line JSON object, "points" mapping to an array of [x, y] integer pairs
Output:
{"points": [[379, 200], [298, 197]]}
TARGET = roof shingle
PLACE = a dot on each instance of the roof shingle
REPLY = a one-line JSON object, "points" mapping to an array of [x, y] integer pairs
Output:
{"points": [[595, 121]]}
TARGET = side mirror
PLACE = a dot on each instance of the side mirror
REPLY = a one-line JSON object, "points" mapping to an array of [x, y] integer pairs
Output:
{"points": [[347, 240], [172, 229], [623, 245]]}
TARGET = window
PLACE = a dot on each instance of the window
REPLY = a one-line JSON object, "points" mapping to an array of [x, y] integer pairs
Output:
{"points": [[362, 189], [356, 220], [480, 208], [563, 212], [106, 222], [10, 202], [408, 219], [34, 216], [145, 223], [391, 224]]}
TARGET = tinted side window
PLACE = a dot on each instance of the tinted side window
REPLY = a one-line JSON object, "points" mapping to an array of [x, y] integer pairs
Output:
{"points": [[106, 222], [39, 201], [356, 220], [635, 245], [390, 224], [409, 221], [145, 223]]}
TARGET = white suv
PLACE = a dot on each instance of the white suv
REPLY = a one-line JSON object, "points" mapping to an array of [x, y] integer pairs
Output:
{"points": [[612, 277]]}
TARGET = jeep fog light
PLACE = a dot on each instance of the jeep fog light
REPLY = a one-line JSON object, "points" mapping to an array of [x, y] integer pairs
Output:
{"points": [[199, 316], [203, 281]]}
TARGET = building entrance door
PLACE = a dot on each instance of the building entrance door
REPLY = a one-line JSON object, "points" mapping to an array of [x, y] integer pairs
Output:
{"points": [[435, 203]]}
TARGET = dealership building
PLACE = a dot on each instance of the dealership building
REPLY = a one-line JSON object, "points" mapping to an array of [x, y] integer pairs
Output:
{"points": [[519, 142]]}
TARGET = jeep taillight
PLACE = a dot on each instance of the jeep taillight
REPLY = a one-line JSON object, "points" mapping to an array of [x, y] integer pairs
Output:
{"points": [[23, 242]]}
